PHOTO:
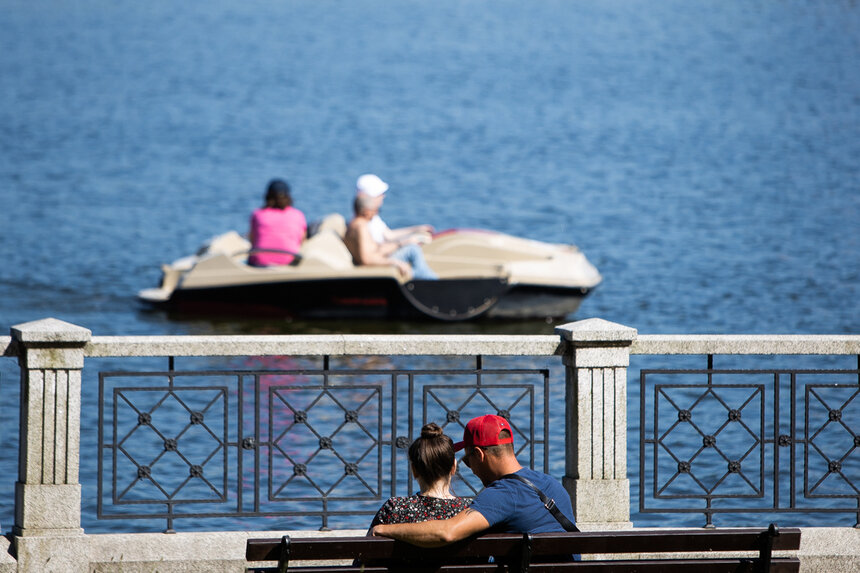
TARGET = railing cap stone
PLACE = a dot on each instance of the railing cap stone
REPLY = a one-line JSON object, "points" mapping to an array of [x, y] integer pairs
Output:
{"points": [[595, 330], [50, 330]]}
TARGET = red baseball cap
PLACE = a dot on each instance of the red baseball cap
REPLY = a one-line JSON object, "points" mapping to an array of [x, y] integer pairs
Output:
{"points": [[484, 431]]}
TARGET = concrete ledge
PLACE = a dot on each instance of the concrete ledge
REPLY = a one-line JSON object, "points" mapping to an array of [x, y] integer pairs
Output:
{"points": [[829, 550], [822, 549], [8, 564], [746, 344], [320, 345], [216, 552], [453, 345]]}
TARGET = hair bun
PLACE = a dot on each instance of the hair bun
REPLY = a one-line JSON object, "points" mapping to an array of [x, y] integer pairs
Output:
{"points": [[431, 430]]}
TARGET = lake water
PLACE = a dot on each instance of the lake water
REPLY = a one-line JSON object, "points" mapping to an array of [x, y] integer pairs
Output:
{"points": [[704, 155]]}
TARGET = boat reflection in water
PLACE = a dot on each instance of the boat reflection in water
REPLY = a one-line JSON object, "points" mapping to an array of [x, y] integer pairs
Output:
{"points": [[481, 274]]}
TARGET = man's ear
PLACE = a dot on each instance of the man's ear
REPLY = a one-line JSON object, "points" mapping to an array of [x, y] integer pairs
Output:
{"points": [[480, 454]]}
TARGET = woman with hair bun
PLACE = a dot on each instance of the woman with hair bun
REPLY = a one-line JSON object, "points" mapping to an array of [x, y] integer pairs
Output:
{"points": [[433, 464]]}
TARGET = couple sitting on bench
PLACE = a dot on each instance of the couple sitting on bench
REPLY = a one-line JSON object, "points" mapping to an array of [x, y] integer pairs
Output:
{"points": [[520, 522], [514, 499]]}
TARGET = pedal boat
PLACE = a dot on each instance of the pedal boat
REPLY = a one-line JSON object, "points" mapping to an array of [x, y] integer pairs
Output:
{"points": [[481, 274]]}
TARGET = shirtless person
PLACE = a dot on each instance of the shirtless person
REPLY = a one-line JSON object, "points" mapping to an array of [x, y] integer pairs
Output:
{"points": [[403, 254]]}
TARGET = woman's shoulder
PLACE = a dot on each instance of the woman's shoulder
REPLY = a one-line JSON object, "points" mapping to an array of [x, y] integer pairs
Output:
{"points": [[443, 504], [395, 502], [419, 508], [459, 503]]}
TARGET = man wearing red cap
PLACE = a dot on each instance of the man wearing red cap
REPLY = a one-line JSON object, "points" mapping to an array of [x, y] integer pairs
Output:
{"points": [[510, 501]]}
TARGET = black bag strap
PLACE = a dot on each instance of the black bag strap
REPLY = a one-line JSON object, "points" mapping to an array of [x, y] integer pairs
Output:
{"points": [[547, 503]]}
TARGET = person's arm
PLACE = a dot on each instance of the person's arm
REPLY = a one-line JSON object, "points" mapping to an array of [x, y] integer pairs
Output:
{"points": [[414, 234], [436, 532]]}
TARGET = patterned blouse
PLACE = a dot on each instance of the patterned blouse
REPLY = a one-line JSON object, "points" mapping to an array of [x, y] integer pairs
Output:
{"points": [[418, 508]]}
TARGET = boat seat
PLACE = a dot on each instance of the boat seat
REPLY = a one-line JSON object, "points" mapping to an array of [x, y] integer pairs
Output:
{"points": [[333, 222], [326, 249], [230, 243]]}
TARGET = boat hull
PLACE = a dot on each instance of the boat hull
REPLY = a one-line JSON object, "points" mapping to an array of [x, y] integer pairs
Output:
{"points": [[537, 301], [372, 298], [481, 275]]}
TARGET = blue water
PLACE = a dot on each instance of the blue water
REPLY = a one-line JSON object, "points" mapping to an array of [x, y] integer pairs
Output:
{"points": [[703, 154]]}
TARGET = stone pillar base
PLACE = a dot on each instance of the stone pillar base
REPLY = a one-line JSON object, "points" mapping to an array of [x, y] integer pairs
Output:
{"points": [[600, 503], [42, 509], [54, 554]]}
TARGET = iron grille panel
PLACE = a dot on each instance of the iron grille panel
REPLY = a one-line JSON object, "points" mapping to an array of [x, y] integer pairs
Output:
{"points": [[749, 441], [292, 443]]}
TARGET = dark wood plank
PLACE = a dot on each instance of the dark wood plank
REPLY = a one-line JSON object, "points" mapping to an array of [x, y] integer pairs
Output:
{"points": [[782, 565], [629, 541], [470, 555], [632, 541]]}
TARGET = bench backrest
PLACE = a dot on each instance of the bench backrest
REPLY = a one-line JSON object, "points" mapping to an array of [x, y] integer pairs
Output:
{"points": [[520, 550]]}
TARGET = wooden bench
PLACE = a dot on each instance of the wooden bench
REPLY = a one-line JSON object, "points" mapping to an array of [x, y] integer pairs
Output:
{"points": [[614, 551]]}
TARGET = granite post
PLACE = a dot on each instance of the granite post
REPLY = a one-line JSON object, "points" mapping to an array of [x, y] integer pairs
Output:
{"points": [[596, 359], [48, 533]]}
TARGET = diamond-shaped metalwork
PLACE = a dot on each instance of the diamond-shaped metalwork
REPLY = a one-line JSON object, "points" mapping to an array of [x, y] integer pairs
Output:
{"points": [[364, 443], [156, 465], [290, 442], [827, 429], [753, 448], [675, 441]]}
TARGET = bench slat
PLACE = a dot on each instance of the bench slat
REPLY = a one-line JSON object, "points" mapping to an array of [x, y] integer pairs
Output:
{"points": [[778, 565], [629, 541], [662, 541], [470, 555]]}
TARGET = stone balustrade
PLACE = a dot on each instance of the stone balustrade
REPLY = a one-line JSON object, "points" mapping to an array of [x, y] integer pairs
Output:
{"points": [[47, 533]]}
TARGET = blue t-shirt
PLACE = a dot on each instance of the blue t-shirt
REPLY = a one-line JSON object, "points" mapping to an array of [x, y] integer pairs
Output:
{"points": [[511, 506]]}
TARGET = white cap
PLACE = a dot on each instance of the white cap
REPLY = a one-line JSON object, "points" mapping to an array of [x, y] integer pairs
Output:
{"points": [[371, 185]]}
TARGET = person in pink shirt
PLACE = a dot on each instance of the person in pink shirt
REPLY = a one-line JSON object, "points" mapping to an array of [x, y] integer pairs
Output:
{"points": [[277, 228]]}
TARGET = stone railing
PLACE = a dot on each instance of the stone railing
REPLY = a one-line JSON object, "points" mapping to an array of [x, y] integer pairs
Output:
{"points": [[595, 354]]}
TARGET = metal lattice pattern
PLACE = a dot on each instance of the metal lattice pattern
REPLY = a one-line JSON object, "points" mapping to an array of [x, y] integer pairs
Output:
{"points": [[709, 446], [151, 463], [292, 423], [291, 443]]}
